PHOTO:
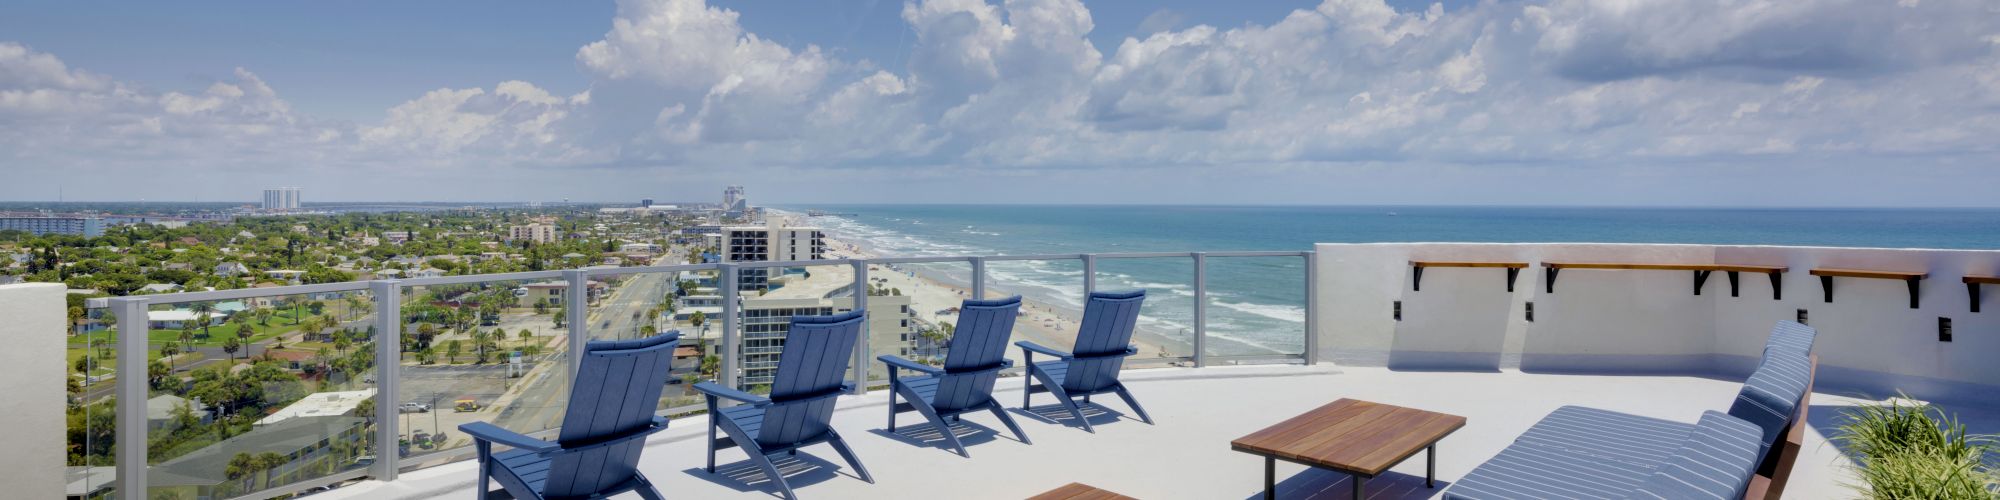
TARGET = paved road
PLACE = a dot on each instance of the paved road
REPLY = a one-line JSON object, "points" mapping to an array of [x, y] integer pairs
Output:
{"points": [[538, 405]]}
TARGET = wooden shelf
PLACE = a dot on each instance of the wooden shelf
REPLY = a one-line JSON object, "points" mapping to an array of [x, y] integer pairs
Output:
{"points": [[1446, 263], [1701, 272], [1827, 274], [1417, 270], [1972, 282]]}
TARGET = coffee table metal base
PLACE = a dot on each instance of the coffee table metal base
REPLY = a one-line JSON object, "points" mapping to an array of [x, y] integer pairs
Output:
{"points": [[1271, 475]]}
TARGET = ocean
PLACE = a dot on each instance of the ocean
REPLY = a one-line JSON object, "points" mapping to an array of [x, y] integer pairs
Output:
{"points": [[1258, 303]]}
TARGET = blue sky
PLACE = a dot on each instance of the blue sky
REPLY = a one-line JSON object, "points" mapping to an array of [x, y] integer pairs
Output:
{"points": [[1664, 102]]}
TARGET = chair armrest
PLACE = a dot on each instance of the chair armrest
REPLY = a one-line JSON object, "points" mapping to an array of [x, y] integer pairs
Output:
{"points": [[659, 424], [1129, 351], [1034, 347], [895, 362], [715, 390], [493, 433]]}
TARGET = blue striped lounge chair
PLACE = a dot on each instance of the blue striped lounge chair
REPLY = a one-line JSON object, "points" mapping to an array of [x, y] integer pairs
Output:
{"points": [[1580, 452], [799, 411], [1091, 367], [604, 429], [964, 384]]}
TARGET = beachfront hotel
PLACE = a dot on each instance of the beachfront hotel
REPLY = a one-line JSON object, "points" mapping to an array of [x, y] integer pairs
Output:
{"points": [[773, 241]]}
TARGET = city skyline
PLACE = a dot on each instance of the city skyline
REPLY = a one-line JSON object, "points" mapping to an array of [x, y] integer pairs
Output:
{"points": [[1558, 102]]}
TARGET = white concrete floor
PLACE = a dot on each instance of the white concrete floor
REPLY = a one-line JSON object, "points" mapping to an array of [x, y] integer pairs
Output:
{"points": [[1186, 455]]}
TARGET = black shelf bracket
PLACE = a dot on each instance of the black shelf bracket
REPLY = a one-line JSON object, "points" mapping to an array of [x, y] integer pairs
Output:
{"points": [[1511, 273], [1701, 277], [1732, 283], [1417, 280], [1826, 285], [1972, 292], [1912, 282], [1549, 279], [1777, 286]]}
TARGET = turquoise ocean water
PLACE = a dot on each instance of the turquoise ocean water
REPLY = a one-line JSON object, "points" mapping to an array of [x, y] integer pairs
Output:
{"points": [[1258, 302]]}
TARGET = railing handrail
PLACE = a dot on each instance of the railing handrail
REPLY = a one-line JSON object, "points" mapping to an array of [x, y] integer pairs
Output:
{"points": [[132, 433]]}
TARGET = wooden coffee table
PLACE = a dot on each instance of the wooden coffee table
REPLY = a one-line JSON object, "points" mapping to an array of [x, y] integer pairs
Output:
{"points": [[1355, 437], [1079, 491]]}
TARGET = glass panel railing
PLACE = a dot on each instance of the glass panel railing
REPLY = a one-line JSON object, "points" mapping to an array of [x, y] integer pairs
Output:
{"points": [[1051, 299], [1166, 320], [252, 394], [492, 351], [916, 309], [1256, 306], [92, 409], [637, 305]]}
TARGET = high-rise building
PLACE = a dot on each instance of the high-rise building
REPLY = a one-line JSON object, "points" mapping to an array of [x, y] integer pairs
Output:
{"points": [[734, 203], [771, 242], [646, 202], [81, 226], [284, 198], [767, 321]]}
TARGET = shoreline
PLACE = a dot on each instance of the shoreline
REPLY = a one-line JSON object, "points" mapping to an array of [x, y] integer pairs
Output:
{"points": [[1039, 322]]}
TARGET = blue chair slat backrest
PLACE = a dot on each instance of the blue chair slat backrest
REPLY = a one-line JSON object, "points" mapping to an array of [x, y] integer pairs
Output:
{"points": [[978, 344], [814, 361], [615, 392], [1106, 333]]}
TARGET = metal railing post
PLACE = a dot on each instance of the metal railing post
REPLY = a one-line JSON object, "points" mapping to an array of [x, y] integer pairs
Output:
{"points": [[727, 376], [862, 348], [1312, 307], [978, 278], [1200, 309], [1089, 274], [576, 304], [388, 366], [130, 421]]}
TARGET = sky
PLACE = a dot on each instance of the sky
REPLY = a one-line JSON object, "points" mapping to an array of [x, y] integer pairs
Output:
{"points": [[1551, 102]]}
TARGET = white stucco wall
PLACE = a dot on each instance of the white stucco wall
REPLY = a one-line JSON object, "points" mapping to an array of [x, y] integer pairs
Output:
{"points": [[31, 423], [1642, 321]]}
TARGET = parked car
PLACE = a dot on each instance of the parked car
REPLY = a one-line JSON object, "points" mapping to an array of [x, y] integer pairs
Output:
{"points": [[414, 408]]}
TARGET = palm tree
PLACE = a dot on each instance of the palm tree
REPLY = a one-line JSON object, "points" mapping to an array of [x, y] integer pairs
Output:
{"points": [[187, 337], [203, 311], [231, 345], [204, 319], [168, 351]]}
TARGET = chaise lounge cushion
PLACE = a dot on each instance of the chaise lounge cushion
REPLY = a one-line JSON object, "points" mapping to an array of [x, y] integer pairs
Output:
{"points": [[1770, 398], [1643, 441], [1716, 461], [1534, 471], [1791, 336]]}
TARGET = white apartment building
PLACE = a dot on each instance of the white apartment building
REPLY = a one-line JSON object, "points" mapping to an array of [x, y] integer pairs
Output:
{"points": [[771, 242], [284, 198], [766, 321], [81, 226], [538, 233]]}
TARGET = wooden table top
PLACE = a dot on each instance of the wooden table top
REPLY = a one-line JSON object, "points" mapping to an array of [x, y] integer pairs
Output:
{"points": [[1079, 491], [1351, 436]]}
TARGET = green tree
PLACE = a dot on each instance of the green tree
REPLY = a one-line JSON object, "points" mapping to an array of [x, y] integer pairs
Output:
{"points": [[167, 352], [451, 350], [231, 345]]}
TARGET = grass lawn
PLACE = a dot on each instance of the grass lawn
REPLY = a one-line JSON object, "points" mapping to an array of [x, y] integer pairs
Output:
{"points": [[281, 324]]}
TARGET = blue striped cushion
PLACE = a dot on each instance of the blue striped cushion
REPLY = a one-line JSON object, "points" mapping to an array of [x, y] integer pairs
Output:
{"points": [[1715, 462], [1770, 398], [1791, 336], [1533, 471], [1643, 441]]}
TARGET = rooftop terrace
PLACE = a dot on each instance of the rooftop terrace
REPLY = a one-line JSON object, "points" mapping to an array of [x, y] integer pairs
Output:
{"points": [[1666, 331]]}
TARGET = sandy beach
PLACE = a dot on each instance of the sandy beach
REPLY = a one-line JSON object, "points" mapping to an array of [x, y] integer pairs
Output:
{"points": [[932, 299]]}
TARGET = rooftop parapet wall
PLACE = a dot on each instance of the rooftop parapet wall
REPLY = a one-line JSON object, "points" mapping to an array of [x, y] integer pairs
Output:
{"points": [[1650, 321]]}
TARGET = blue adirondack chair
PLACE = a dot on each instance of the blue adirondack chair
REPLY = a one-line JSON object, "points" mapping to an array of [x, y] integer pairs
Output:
{"points": [[1092, 367], [965, 383], [610, 413], [800, 407]]}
